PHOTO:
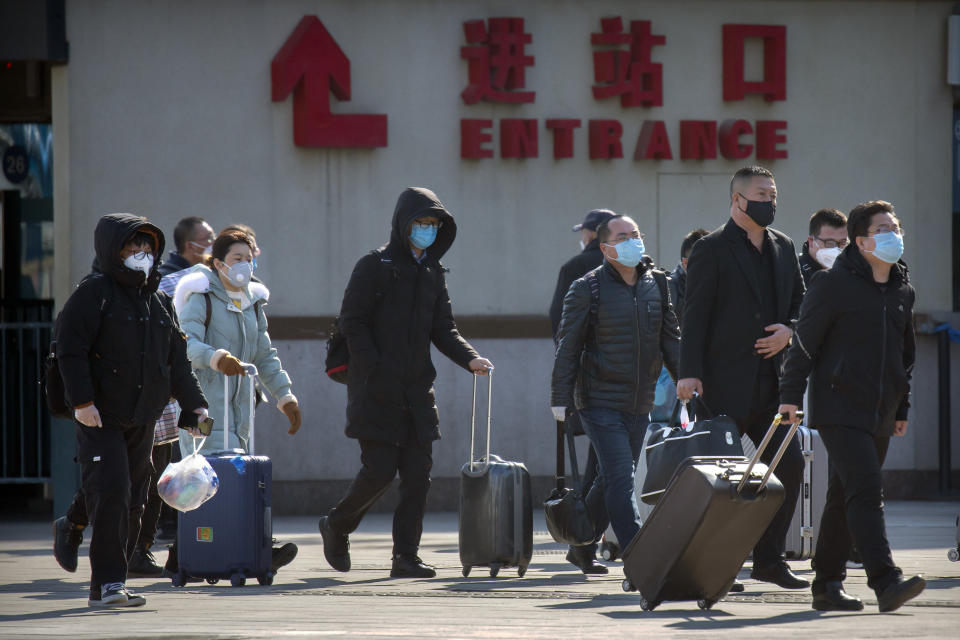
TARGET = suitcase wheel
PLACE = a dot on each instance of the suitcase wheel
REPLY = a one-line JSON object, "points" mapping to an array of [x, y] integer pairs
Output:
{"points": [[706, 604], [494, 569], [953, 555], [521, 571], [466, 571], [213, 580], [178, 579], [646, 605], [265, 580], [627, 586], [238, 580]]}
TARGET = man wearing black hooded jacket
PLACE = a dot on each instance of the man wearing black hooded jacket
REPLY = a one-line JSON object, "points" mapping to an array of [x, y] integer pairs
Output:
{"points": [[122, 356], [855, 340], [395, 305]]}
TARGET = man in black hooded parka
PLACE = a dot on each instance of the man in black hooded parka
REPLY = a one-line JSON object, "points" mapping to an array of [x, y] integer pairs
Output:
{"points": [[396, 304], [122, 356]]}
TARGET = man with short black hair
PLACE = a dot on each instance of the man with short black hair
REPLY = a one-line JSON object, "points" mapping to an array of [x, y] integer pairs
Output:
{"points": [[192, 239], [617, 330], [744, 289], [828, 237], [854, 339]]}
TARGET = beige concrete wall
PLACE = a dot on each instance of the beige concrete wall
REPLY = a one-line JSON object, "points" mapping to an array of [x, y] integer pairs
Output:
{"points": [[170, 115]]}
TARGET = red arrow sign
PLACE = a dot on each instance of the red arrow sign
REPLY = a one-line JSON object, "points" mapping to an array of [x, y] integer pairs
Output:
{"points": [[312, 65]]}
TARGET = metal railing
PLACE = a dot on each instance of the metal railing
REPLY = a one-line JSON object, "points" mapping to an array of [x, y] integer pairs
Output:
{"points": [[24, 417]]}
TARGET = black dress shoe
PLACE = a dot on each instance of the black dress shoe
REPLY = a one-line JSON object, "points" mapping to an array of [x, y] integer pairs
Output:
{"points": [[583, 559], [736, 587], [780, 575], [834, 598], [898, 592], [411, 567], [336, 547]]}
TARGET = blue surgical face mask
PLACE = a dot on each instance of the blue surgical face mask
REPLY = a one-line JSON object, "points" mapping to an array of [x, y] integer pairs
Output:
{"points": [[422, 235], [889, 246], [629, 252]]}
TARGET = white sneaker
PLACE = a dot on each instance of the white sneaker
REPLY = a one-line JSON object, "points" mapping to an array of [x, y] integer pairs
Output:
{"points": [[115, 594]]}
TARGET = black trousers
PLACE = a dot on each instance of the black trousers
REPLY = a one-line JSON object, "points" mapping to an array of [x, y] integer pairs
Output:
{"points": [[115, 469], [854, 509], [771, 548], [151, 510], [381, 462]]}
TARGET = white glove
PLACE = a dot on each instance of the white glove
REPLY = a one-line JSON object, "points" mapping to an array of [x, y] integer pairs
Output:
{"points": [[559, 413]]}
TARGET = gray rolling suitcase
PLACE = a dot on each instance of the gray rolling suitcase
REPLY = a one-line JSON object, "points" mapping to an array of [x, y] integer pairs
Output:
{"points": [[496, 508], [805, 527], [703, 528]]}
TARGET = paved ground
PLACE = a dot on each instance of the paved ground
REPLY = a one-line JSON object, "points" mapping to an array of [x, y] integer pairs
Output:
{"points": [[308, 599]]}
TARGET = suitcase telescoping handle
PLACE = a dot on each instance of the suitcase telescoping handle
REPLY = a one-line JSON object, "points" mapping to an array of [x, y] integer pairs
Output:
{"points": [[251, 372], [473, 416], [763, 446]]}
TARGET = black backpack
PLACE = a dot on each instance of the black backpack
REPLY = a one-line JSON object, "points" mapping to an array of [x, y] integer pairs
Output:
{"points": [[53, 385], [338, 354]]}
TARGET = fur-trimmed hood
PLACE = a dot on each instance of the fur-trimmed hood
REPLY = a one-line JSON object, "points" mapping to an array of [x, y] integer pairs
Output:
{"points": [[203, 279]]}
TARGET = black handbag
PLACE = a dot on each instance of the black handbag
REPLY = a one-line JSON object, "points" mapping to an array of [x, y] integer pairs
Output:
{"points": [[669, 445], [568, 519]]}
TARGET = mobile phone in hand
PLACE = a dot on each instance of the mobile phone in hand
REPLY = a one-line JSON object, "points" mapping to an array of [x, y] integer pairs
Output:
{"points": [[205, 426]]}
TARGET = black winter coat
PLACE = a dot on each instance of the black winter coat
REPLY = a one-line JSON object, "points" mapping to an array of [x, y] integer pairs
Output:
{"points": [[393, 309], [678, 291], [614, 360], [855, 340], [722, 315], [576, 267], [174, 263], [808, 265], [119, 344]]}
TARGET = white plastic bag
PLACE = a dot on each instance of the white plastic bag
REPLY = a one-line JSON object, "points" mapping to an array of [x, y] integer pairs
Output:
{"points": [[685, 418], [187, 484]]}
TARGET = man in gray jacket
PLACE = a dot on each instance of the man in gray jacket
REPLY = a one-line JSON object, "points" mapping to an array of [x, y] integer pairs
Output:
{"points": [[617, 329]]}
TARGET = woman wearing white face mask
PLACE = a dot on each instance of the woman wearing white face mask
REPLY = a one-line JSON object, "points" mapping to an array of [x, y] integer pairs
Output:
{"points": [[225, 325]]}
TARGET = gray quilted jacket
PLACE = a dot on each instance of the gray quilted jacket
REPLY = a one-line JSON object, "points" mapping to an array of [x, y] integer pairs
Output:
{"points": [[613, 360]]}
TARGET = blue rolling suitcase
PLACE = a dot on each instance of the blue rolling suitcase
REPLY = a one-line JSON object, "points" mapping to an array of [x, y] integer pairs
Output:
{"points": [[496, 509], [231, 534]]}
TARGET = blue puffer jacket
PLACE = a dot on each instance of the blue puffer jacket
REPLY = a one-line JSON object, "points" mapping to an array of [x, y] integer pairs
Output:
{"points": [[242, 334]]}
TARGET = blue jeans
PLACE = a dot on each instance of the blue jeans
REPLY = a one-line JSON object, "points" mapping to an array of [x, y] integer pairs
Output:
{"points": [[617, 438]]}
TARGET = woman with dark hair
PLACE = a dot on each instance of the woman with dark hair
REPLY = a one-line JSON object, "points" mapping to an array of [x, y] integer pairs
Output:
{"points": [[221, 312]]}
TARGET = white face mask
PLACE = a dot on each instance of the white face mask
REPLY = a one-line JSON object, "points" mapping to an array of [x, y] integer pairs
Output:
{"points": [[583, 245], [827, 257], [144, 263]]}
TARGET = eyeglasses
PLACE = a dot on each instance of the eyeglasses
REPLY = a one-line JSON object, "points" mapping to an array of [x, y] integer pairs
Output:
{"points": [[202, 246], [885, 228], [428, 225], [140, 255], [620, 237], [831, 244]]}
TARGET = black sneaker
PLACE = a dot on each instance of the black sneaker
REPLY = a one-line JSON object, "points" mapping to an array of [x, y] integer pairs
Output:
{"points": [[583, 559], [171, 567], [115, 594], [142, 564], [411, 567], [67, 538], [282, 556], [336, 547]]}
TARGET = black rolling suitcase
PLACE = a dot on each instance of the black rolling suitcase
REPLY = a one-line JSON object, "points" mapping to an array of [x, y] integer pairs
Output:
{"points": [[703, 528], [496, 508]]}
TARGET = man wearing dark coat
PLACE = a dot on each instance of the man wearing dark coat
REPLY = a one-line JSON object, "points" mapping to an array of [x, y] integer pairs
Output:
{"points": [[122, 356], [743, 292], [854, 339], [395, 306]]}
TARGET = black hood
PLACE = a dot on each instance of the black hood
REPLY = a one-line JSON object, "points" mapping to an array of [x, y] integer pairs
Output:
{"points": [[852, 260], [413, 203], [112, 232]]}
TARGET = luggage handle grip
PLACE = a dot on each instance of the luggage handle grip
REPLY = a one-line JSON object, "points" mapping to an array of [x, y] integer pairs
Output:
{"points": [[763, 446], [250, 370], [473, 416]]}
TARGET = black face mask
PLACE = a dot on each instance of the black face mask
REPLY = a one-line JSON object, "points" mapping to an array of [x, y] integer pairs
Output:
{"points": [[760, 212]]}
